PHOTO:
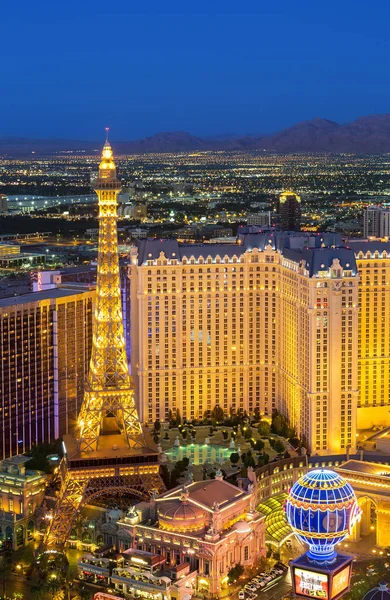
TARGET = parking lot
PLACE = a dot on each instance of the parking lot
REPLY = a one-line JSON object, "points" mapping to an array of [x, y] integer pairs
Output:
{"points": [[269, 585]]}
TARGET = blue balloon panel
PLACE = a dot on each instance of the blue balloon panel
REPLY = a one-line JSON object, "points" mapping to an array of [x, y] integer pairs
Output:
{"points": [[322, 509]]}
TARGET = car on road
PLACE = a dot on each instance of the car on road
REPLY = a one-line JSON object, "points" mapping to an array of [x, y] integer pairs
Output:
{"points": [[241, 595]]}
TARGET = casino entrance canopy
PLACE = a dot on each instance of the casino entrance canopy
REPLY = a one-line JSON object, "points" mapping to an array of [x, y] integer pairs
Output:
{"points": [[277, 528]]}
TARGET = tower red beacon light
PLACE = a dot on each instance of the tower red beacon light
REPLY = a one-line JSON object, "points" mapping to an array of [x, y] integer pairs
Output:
{"points": [[321, 509]]}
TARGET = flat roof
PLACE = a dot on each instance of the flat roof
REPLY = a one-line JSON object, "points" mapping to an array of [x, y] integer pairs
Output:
{"points": [[207, 493], [52, 294], [368, 468], [109, 446]]}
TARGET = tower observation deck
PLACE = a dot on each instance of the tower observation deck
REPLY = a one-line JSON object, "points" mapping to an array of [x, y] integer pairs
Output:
{"points": [[110, 452]]}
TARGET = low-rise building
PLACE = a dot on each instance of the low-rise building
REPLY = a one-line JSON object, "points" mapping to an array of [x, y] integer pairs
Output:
{"points": [[211, 525], [21, 492], [185, 541]]}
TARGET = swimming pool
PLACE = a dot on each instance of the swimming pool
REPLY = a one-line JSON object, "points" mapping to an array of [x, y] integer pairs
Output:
{"points": [[200, 454]]}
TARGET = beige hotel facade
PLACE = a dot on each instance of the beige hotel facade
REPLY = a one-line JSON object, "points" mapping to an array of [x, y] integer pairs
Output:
{"points": [[289, 321]]}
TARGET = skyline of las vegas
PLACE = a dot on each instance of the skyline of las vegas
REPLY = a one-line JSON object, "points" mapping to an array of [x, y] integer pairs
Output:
{"points": [[194, 302]]}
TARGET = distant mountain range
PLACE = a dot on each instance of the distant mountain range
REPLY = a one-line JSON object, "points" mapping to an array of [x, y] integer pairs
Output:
{"points": [[366, 135]]}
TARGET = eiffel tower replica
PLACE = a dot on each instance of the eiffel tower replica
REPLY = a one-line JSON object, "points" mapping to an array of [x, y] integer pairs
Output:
{"points": [[109, 452]]}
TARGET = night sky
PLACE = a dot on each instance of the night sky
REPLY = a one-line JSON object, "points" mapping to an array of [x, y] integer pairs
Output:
{"points": [[70, 68]]}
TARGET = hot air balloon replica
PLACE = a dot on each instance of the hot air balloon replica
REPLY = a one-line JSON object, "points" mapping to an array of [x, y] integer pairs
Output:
{"points": [[321, 509]]}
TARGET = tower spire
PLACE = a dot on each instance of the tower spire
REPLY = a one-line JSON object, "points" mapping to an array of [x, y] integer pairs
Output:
{"points": [[110, 452], [109, 394]]}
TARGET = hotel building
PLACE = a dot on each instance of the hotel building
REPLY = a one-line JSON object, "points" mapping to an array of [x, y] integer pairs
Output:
{"points": [[45, 340], [269, 322], [46, 280], [373, 263]]}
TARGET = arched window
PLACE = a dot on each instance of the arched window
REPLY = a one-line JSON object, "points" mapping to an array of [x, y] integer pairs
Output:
{"points": [[246, 553], [19, 535], [30, 530], [86, 538], [9, 534]]}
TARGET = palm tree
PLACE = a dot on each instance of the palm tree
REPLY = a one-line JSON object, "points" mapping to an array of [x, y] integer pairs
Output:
{"points": [[55, 589], [38, 593]]}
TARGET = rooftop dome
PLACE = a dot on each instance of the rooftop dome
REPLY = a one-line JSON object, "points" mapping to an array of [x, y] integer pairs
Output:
{"points": [[382, 592], [242, 527], [181, 515]]}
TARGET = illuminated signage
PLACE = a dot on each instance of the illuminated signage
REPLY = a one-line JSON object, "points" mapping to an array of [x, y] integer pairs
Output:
{"points": [[103, 596], [340, 582], [310, 584]]}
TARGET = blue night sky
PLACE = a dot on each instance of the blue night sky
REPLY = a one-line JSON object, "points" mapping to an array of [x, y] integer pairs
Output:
{"points": [[69, 68]]}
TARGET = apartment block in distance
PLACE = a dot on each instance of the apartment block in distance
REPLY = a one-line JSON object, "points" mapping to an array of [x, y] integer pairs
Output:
{"points": [[376, 222], [45, 342], [269, 322]]}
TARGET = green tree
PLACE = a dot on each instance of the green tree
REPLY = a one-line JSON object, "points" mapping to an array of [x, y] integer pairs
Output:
{"points": [[247, 459], [257, 413], [264, 428], [235, 573], [279, 446], [55, 588], [295, 442], [258, 566], [280, 424], [84, 594], [259, 445], [217, 414], [247, 433], [178, 417], [234, 458], [165, 475], [157, 425]]}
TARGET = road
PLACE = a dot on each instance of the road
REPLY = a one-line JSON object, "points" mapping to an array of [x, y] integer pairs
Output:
{"points": [[17, 584], [277, 591], [274, 592]]}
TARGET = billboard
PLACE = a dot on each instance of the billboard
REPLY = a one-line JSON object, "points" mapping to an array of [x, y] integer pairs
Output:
{"points": [[340, 581], [311, 584], [329, 582]]}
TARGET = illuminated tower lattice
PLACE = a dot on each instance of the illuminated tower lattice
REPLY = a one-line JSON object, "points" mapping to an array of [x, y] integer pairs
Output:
{"points": [[110, 452]]}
